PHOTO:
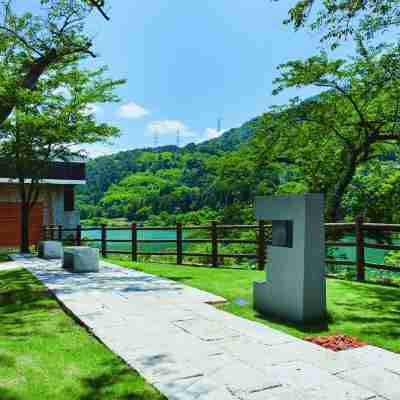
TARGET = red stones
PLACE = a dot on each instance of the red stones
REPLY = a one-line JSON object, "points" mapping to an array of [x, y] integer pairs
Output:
{"points": [[336, 342]]}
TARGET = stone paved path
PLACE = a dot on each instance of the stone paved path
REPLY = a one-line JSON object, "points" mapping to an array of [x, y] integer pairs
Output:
{"points": [[190, 350]]}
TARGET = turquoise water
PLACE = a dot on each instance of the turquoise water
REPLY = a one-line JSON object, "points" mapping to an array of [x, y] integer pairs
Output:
{"points": [[373, 256], [126, 235]]}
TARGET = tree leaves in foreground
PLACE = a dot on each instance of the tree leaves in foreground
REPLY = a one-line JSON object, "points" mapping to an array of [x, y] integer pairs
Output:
{"points": [[34, 44], [341, 19], [353, 121], [52, 123]]}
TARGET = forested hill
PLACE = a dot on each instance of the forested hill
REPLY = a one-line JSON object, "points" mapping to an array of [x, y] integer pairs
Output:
{"points": [[233, 138], [146, 183]]}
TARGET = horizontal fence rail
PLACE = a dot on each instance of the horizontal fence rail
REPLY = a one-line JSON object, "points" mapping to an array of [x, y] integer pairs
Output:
{"points": [[214, 231], [358, 228]]}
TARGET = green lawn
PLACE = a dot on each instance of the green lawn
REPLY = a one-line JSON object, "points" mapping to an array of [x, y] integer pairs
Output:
{"points": [[367, 311], [4, 258], [45, 355]]}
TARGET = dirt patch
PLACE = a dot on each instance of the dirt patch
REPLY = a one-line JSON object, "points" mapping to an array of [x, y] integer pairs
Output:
{"points": [[336, 342]]}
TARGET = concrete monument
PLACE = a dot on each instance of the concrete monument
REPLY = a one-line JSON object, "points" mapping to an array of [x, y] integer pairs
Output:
{"points": [[295, 286]]}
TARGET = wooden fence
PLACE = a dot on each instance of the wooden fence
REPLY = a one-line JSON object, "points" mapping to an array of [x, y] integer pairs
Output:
{"points": [[359, 229], [214, 231]]}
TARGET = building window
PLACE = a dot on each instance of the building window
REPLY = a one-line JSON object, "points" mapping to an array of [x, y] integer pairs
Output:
{"points": [[69, 201]]}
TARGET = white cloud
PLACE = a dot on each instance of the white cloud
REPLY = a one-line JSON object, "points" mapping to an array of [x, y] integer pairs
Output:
{"points": [[211, 133], [97, 149], [92, 109], [132, 111], [170, 127]]}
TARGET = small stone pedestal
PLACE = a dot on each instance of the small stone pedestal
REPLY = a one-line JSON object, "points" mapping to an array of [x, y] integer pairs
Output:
{"points": [[295, 286], [81, 259], [50, 250]]}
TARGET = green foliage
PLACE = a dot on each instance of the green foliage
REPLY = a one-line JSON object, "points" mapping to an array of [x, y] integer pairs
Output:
{"points": [[325, 139], [392, 259], [374, 193], [340, 19], [35, 45]]}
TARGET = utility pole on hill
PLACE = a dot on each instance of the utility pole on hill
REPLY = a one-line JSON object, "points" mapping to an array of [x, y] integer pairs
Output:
{"points": [[156, 140], [219, 124]]}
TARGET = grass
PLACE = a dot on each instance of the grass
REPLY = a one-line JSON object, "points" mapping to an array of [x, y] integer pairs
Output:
{"points": [[367, 311], [4, 258], [45, 355]]}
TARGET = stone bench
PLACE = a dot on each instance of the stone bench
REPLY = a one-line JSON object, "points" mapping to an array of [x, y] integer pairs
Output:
{"points": [[81, 259], [51, 250]]}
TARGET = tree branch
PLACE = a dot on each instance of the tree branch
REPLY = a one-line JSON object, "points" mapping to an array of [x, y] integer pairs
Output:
{"points": [[99, 5], [21, 39]]}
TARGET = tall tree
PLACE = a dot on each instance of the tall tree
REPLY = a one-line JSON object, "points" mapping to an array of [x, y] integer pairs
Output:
{"points": [[34, 44], [52, 123], [356, 119]]}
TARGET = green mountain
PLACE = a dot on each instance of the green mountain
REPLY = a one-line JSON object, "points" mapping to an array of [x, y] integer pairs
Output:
{"points": [[144, 183], [233, 138]]}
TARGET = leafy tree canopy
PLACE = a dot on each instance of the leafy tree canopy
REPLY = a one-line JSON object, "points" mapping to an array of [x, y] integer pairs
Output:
{"points": [[339, 19], [33, 45], [356, 119]]}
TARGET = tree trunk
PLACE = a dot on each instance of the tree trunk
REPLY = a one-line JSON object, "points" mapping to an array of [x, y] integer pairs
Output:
{"points": [[333, 212], [25, 217]]}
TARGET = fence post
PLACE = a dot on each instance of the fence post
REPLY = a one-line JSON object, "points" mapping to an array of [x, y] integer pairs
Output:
{"points": [[134, 244], [52, 229], [360, 256], [179, 243], [261, 245], [214, 244], [60, 233], [104, 240], [78, 235]]}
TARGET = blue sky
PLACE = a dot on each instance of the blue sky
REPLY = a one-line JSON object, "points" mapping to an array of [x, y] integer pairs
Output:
{"points": [[188, 63]]}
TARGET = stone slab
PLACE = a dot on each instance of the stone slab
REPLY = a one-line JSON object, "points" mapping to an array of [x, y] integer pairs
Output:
{"points": [[376, 379], [372, 356]]}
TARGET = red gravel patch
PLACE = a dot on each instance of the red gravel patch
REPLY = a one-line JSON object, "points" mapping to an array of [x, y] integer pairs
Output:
{"points": [[336, 342]]}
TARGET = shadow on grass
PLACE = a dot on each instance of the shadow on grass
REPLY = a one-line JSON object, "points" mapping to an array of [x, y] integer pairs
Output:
{"points": [[7, 361], [307, 328], [4, 258], [97, 387], [6, 394], [25, 305], [180, 278]]}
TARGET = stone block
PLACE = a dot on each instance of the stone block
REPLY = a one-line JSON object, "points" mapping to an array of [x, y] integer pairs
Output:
{"points": [[81, 259], [51, 250]]}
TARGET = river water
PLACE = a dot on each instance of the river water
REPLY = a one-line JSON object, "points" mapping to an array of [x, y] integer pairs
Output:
{"points": [[126, 235]]}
